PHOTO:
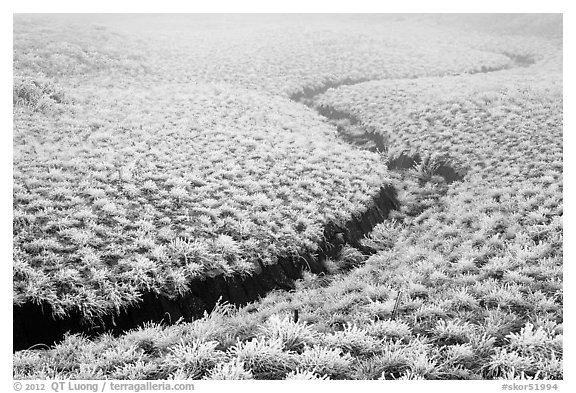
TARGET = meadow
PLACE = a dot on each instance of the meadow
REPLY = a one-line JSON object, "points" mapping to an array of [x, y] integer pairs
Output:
{"points": [[152, 154]]}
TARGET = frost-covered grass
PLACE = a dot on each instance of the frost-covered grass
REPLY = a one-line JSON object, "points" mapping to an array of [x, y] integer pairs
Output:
{"points": [[163, 182], [198, 183], [119, 191], [407, 348]]}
